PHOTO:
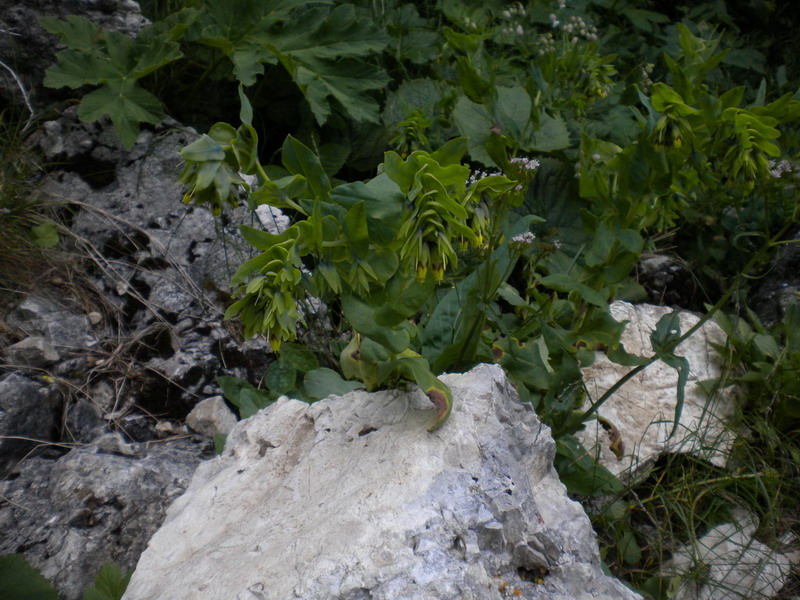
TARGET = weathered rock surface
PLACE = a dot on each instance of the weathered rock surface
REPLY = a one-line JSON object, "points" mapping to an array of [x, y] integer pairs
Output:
{"points": [[211, 417], [352, 498], [780, 286], [65, 331], [28, 411], [96, 504], [737, 566], [643, 410]]}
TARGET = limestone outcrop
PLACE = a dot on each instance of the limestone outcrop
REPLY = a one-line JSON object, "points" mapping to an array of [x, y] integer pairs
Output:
{"points": [[352, 498]]}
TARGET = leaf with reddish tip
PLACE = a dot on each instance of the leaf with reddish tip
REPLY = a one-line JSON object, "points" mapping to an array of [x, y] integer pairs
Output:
{"points": [[413, 367], [444, 404]]}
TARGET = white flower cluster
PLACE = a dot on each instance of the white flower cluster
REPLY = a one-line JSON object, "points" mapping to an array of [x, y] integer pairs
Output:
{"points": [[646, 82], [515, 10], [523, 239], [580, 29], [478, 175], [518, 30], [546, 44], [529, 164], [470, 24], [778, 167]]}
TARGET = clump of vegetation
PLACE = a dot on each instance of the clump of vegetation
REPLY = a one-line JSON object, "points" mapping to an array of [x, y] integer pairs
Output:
{"points": [[29, 224], [475, 182]]}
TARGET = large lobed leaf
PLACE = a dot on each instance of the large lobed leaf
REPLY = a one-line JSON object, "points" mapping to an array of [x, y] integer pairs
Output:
{"points": [[319, 47], [114, 62]]}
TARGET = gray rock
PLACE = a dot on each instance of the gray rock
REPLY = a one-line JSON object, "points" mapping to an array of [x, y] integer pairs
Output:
{"points": [[84, 422], [70, 516], [33, 351], [780, 286], [28, 412], [65, 330], [211, 417], [352, 498], [734, 565]]}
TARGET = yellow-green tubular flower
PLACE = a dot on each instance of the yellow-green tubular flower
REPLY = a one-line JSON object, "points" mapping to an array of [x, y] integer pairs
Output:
{"points": [[480, 222], [267, 304]]}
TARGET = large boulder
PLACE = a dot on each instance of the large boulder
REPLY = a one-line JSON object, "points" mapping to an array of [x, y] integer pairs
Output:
{"points": [[352, 498], [637, 419]]}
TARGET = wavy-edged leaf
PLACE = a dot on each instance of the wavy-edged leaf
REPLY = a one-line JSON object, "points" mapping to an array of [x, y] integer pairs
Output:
{"points": [[324, 382]]}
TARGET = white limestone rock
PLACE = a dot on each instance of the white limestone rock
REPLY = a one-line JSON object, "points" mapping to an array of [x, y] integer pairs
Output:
{"points": [[734, 564], [643, 410], [351, 498], [211, 417]]}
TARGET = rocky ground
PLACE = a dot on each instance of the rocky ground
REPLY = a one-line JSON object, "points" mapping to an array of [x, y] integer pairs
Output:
{"points": [[99, 374]]}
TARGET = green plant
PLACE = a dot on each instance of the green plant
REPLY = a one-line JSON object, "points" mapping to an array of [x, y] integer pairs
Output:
{"points": [[321, 46], [110, 584], [115, 62], [20, 581], [430, 262], [29, 224]]}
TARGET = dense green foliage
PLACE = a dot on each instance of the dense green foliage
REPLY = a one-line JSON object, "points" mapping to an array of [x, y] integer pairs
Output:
{"points": [[476, 182]]}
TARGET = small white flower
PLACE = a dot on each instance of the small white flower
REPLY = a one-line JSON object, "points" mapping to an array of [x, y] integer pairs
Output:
{"points": [[523, 239], [520, 30]]}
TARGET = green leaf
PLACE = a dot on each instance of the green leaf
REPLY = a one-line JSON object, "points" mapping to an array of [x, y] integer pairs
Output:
{"points": [[666, 333], [281, 377], [324, 382], [246, 111], [561, 282], [580, 472], [551, 135], [346, 81], [110, 584], [512, 111], [204, 149], [404, 299], [299, 357], [362, 317], [20, 581], [475, 87], [126, 103], [219, 443], [76, 32], [45, 235], [244, 396], [628, 547], [115, 62], [681, 365], [300, 160]]}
